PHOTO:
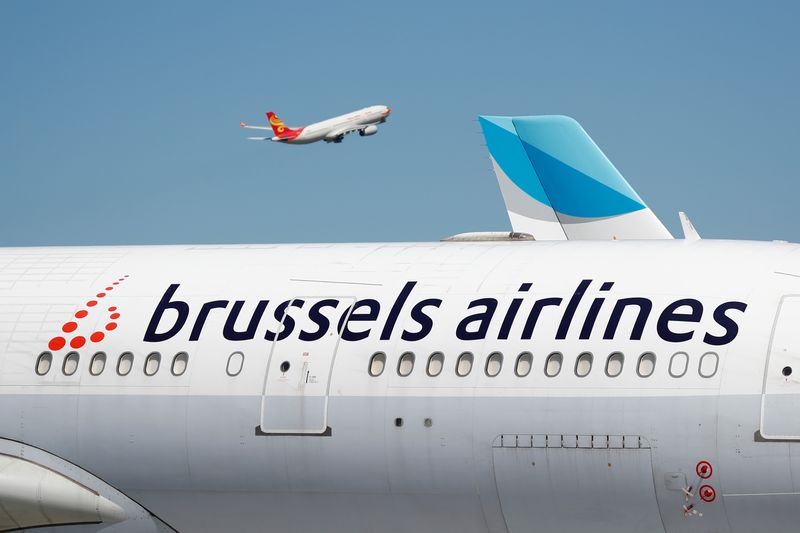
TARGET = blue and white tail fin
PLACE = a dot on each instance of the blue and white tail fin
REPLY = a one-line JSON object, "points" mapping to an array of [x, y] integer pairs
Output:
{"points": [[557, 184]]}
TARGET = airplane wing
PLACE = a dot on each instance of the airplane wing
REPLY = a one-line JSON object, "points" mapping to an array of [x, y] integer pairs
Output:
{"points": [[558, 185], [249, 127], [344, 131]]}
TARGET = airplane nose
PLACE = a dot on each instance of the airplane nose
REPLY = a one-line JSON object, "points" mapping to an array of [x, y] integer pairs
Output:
{"points": [[388, 111]]}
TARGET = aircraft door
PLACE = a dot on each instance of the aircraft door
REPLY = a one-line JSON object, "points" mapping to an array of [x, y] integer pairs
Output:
{"points": [[297, 380], [597, 483], [780, 401]]}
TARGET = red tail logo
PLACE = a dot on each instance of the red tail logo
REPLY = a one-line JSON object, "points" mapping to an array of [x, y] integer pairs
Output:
{"points": [[280, 129]]}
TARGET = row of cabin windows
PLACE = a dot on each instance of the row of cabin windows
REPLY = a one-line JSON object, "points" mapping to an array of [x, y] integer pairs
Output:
{"points": [[97, 364], [125, 363], [645, 364]]}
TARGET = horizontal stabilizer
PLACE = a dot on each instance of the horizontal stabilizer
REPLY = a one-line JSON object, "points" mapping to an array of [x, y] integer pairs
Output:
{"points": [[249, 127], [557, 184]]}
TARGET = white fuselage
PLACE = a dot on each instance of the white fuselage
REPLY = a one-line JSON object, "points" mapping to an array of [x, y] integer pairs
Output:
{"points": [[335, 128], [456, 386]]}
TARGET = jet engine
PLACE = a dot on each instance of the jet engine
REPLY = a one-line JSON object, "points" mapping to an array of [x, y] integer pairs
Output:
{"points": [[369, 130]]}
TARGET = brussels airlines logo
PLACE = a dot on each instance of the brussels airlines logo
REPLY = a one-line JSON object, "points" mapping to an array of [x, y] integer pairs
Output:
{"points": [[678, 321], [79, 336]]}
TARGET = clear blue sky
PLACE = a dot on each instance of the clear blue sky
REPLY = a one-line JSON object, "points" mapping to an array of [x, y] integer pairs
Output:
{"points": [[119, 120]]}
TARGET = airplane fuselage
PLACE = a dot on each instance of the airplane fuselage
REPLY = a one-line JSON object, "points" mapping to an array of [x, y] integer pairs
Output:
{"points": [[549, 386], [334, 129]]}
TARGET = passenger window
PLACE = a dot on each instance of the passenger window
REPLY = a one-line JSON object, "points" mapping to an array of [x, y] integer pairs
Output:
{"points": [[614, 364], [583, 365], [435, 364], [124, 364], [678, 364], [494, 364], [406, 364], [236, 362], [646, 365], [464, 364], [71, 363], [709, 364], [553, 364], [376, 364], [43, 363], [152, 363], [179, 363], [524, 364], [98, 364]]}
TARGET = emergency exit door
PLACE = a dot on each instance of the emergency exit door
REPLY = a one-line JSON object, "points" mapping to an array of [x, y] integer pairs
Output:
{"points": [[297, 380], [780, 401]]}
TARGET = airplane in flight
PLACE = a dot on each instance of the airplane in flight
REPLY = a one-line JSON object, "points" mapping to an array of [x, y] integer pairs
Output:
{"points": [[607, 378], [365, 121]]}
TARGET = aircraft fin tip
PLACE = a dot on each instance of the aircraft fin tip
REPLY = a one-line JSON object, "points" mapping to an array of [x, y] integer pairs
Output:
{"points": [[689, 231]]}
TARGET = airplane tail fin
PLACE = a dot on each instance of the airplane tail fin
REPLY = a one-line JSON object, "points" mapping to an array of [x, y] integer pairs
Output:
{"points": [[557, 184], [280, 129]]}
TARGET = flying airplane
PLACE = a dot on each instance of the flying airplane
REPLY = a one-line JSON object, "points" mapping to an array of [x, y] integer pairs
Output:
{"points": [[365, 121], [490, 382]]}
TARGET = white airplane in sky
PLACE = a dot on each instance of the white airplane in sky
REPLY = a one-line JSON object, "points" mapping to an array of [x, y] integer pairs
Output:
{"points": [[486, 383], [365, 121]]}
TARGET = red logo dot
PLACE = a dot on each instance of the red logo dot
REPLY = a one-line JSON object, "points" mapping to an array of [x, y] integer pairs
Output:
{"points": [[97, 336], [112, 309], [91, 303], [77, 342], [127, 275], [109, 288], [56, 343], [115, 283], [100, 294], [114, 316], [82, 313], [69, 327], [111, 326]]}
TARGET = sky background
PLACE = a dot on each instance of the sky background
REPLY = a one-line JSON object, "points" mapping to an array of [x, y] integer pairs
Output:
{"points": [[119, 120]]}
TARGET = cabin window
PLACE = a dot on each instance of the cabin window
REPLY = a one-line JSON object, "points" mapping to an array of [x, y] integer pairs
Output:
{"points": [[583, 364], [524, 364], [464, 364], [435, 364], [494, 363], [152, 363], [678, 364], [376, 364], [179, 363], [406, 364], [43, 363], [614, 364], [98, 364], [71, 363], [709, 364], [553, 364], [236, 362], [124, 364], [646, 365]]}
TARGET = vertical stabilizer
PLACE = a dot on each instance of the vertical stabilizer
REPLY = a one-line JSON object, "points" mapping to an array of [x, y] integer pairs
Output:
{"points": [[557, 183], [526, 201]]}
